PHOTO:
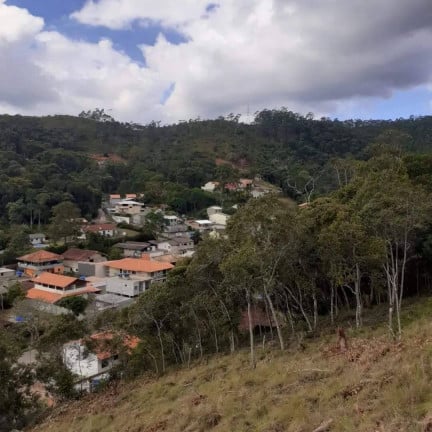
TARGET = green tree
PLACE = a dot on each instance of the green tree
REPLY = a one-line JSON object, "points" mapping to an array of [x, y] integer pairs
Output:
{"points": [[65, 222]]}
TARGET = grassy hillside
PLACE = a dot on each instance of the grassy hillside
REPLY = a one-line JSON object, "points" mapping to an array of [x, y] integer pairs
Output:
{"points": [[377, 385]]}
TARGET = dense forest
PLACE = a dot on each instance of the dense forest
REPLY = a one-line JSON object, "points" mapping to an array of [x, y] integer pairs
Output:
{"points": [[45, 161]]}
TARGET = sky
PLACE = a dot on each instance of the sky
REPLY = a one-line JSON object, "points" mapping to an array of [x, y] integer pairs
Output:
{"points": [[172, 60]]}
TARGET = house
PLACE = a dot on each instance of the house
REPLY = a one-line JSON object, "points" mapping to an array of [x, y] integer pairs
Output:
{"points": [[155, 271], [231, 187], [105, 230], [245, 183], [40, 261], [51, 288], [131, 196], [210, 186], [173, 224], [201, 225], [92, 359], [177, 245], [127, 284], [135, 249], [37, 239], [258, 192], [220, 219], [114, 199], [214, 210], [73, 256], [129, 207], [6, 274]]}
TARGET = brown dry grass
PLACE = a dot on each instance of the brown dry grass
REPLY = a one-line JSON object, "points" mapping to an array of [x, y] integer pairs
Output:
{"points": [[377, 385]]}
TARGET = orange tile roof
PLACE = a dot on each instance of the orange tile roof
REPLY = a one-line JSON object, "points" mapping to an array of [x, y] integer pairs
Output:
{"points": [[42, 295], [139, 265], [114, 196], [52, 297], [102, 349], [40, 256], [131, 195], [55, 280]]}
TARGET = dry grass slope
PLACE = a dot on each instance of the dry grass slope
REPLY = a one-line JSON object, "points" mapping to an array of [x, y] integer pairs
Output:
{"points": [[377, 385]]}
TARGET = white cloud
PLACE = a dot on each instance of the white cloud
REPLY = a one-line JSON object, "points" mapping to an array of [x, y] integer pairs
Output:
{"points": [[303, 54], [117, 14], [17, 24]]}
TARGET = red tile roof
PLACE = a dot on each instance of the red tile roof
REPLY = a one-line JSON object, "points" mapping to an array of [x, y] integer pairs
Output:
{"points": [[139, 265], [40, 256], [101, 346], [52, 297], [75, 254], [55, 280]]}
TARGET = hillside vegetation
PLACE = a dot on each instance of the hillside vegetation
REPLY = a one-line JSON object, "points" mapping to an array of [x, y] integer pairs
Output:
{"points": [[376, 385]]}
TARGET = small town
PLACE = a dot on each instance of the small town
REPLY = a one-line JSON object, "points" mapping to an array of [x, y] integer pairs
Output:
{"points": [[215, 216]]}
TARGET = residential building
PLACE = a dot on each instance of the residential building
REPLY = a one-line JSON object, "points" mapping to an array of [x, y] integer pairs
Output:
{"points": [[73, 256], [210, 186], [51, 288], [135, 249], [6, 274], [245, 183], [214, 210], [37, 239], [40, 261], [87, 269], [219, 219], [177, 245], [129, 207], [114, 199], [131, 196], [105, 230], [145, 267], [92, 359], [128, 285], [173, 224], [201, 225]]}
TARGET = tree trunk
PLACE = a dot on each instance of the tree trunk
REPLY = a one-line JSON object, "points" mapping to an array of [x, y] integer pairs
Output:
{"points": [[251, 335], [276, 321], [358, 298]]}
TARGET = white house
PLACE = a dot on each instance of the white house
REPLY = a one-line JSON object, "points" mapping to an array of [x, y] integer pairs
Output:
{"points": [[200, 225], [37, 239], [92, 359], [127, 285], [105, 230], [219, 219], [173, 224], [177, 245], [210, 186]]}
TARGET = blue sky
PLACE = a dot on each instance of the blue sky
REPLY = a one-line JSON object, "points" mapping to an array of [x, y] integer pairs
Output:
{"points": [[56, 14], [217, 57]]}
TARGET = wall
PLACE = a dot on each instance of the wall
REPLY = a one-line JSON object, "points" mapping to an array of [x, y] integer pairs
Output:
{"points": [[77, 362]]}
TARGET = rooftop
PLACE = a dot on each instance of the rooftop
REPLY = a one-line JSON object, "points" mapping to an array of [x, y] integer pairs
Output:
{"points": [[55, 280], [138, 265], [132, 245], [40, 256], [52, 297], [75, 254]]}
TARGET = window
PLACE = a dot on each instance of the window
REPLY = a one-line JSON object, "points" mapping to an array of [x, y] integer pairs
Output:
{"points": [[116, 357], [104, 363]]}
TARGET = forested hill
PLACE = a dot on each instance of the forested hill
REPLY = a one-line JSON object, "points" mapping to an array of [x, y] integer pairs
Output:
{"points": [[46, 160]]}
